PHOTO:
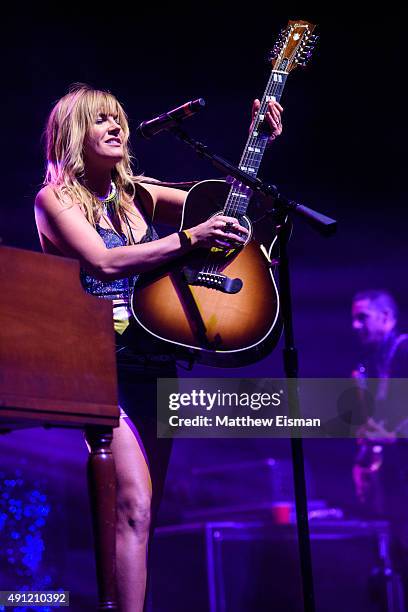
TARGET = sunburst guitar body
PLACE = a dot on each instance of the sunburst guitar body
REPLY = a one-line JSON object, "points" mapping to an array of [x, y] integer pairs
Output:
{"points": [[221, 304]]}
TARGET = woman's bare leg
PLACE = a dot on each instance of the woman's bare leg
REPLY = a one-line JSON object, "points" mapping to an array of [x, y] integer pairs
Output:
{"points": [[134, 492]]}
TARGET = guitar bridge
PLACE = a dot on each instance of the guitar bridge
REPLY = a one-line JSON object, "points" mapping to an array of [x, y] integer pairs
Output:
{"points": [[212, 281]]}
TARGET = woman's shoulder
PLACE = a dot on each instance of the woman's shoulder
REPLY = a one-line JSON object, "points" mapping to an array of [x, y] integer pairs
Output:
{"points": [[47, 194], [52, 197], [46, 201]]}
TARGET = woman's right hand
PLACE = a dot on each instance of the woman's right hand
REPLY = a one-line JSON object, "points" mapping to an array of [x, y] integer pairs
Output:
{"points": [[219, 231]]}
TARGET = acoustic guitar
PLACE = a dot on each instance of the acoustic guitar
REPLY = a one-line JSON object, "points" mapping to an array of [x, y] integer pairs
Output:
{"points": [[222, 305]]}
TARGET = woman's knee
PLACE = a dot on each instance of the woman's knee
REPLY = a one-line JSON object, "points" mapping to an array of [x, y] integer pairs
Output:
{"points": [[134, 513]]}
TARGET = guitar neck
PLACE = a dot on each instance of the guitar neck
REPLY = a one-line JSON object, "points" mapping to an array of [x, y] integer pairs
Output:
{"points": [[238, 198]]}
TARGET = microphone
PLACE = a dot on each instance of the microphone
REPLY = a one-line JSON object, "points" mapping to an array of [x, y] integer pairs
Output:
{"points": [[166, 121]]}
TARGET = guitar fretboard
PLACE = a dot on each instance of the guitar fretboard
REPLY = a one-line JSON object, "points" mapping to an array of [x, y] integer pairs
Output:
{"points": [[239, 196]]}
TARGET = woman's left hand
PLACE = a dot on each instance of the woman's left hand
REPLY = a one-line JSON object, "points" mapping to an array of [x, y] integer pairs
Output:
{"points": [[272, 118]]}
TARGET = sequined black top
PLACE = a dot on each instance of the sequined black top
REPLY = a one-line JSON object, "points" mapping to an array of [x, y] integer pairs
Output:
{"points": [[120, 288]]}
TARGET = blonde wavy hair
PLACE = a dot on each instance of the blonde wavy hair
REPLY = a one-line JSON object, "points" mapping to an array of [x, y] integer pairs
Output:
{"points": [[65, 132]]}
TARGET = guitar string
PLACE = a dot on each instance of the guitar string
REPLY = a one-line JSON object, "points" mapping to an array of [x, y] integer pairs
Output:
{"points": [[254, 158], [234, 206], [250, 158]]}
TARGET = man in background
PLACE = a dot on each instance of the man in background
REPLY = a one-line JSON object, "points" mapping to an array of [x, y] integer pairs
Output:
{"points": [[380, 470], [384, 356]]}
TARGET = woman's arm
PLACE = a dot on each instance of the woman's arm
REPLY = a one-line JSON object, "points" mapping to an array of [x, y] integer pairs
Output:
{"points": [[68, 230]]}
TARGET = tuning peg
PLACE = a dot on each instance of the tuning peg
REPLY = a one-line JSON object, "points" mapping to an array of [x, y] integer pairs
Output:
{"points": [[303, 60], [312, 44], [273, 54]]}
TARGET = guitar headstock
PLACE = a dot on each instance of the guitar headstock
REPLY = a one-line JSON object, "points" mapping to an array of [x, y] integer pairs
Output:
{"points": [[294, 46]]}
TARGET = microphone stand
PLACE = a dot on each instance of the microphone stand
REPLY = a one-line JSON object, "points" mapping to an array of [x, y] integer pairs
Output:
{"points": [[319, 222], [326, 227]]}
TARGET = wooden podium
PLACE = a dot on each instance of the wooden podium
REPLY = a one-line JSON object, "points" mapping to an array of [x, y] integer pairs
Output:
{"points": [[58, 369]]}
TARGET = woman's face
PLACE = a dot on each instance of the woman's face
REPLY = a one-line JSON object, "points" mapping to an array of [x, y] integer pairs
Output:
{"points": [[103, 144]]}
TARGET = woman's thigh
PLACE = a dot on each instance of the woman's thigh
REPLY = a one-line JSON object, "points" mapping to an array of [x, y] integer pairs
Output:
{"points": [[137, 397]]}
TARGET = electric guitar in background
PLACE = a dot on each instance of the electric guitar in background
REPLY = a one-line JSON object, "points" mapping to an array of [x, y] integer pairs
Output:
{"points": [[223, 304]]}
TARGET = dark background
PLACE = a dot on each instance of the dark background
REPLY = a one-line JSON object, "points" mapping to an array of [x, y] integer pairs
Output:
{"points": [[341, 152]]}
